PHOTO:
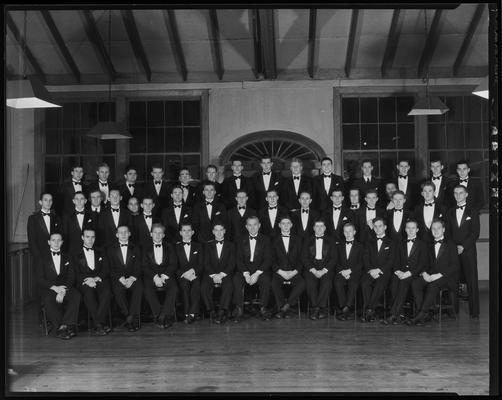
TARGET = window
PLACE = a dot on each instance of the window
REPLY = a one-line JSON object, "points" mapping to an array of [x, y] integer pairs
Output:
{"points": [[462, 133], [379, 129], [165, 132], [66, 142]]}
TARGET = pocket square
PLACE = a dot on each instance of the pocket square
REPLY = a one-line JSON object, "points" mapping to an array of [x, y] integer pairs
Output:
{"points": [[440, 215], [344, 218], [468, 218], [276, 183], [100, 258], [90, 220], [185, 216], [386, 248], [195, 252], [218, 213], [66, 263]]}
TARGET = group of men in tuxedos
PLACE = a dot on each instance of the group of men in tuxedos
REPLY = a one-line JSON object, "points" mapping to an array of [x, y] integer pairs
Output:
{"points": [[174, 241]]}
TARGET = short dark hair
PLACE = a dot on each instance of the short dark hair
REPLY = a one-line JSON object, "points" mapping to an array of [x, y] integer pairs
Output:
{"points": [[336, 190], [158, 225], [241, 191], [438, 220], [158, 166], [380, 219], [412, 220], [218, 222], [79, 192], [428, 183], [320, 221], [44, 193], [211, 166], [129, 168], [76, 166], [103, 164], [326, 159], [252, 217], [123, 226], [186, 224], [460, 186], [365, 161], [296, 159], [148, 197], [184, 169], [462, 162], [399, 192], [235, 159], [350, 224], [88, 228], [207, 183], [370, 191], [273, 190], [176, 187], [56, 233], [400, 160], [285, 217], [265, 157], [436, 159]]}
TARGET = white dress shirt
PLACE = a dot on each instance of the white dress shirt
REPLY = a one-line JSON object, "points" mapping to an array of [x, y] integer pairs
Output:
{"points": [[209, 208], [104, 189], [130, 188], [379, 242], [187, 250], [327, 183], [318, 248], [241, 211], [272, 215], [460, 213], [397, 219], [266, 180], [336, 217], [402, 183], [158, 253], [47, 220], [148, 221], [80, 219], [123, 250], [57, 261], [219, 248], [77, 186], [285, 241], [296, 183], [370, 214], [177, 213], [116, 217], [89, 257], [429, 214], [305, 218], [437, 246], [238, 181], [409, 245], [158, 186], [252, 247], [348, 247], [185, 192], [96, 209], [464, 184], [437, 184]]}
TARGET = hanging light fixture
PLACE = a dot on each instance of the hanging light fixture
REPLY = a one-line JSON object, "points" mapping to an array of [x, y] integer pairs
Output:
{"points": [[428, 105], [108, 130], [27, 92], [482, 89]]}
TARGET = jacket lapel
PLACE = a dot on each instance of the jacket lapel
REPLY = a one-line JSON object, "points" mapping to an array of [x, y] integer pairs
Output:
{"points": [[441, 251], [413, 248], [42, 222]]}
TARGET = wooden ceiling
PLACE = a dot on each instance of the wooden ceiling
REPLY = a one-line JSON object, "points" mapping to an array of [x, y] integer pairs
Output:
{"points": [[196, 45]]}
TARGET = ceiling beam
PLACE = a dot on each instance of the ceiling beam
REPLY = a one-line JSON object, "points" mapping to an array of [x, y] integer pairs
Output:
{"points": [[255, 32], [214, 32], [70, 62], [267, 38], [468, 38], [392, 41], [311, 49], [92, 33], [349, 58], [430, 43], [24, 48], [174, 38], [135, 40]]}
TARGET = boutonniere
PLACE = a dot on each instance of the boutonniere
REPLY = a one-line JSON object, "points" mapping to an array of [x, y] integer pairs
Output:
{"points": [[468, 218], [67, 263]]}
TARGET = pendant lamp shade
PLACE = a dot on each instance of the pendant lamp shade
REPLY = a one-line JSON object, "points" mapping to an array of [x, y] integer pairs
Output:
{"points": [[109, 130], [482, 89], [429, 105], [28, 93]]}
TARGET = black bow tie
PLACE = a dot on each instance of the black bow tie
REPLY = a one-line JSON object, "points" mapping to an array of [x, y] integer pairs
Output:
{"points": [[370, 209], [318, 237], [237, 177], [241, 207], [285, 236], [186, 243], [158, 245], [349, 241], [158, 182], [306, 211], [460, 207], [219, 242], [79, 212], [439, 241], [354, 207], [265, 173], [44, 214], [464, 180], [411, 240], [379, 239], [56, 253], [252, 238], [436, 178], [272, 208], [177, 205], [326, 176], [337, 208], [115, 209], [103, 184], [88, 248], [296, 178], [184, 186], [130, 185], [429, 204], [124, 244], [403, 176], [209, 203], [148, 216], [77, 183], [398, 210]]}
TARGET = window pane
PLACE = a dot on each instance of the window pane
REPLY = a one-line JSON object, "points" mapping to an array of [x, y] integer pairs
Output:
{"points": [[89, 115], [155, 113], [473, 111], [71, 115], [52, 188], [351, 139], [485, 110], [138, 161], [192, 162], [106, 111], [474, 136], [406, 136], [68, 163], [350, 110], [456, 112], [486, 135], [53, 118], [173, 165], [173, 113], [138, 141], [454, 136], [191, 139], [90, 164], [153, 160], [155, 142], [351, 164], [441, 155], [387, 136], [387, 109], [173, 140], [453, 157], [191, 113], [137, 113], [369, 136], [108, 146], [52, 169], [388, 160], [369, 110], [404, 104], [110, 160], [70, 142], [52, 141], [437, 136]]}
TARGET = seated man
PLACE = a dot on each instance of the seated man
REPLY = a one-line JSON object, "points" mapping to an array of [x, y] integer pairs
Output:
{"points": [[254, 260], [189, 271], [348, 272], [92, 273], [125, 272], [159, 274], [378, 260], [219, 267], [441, 274], [287, 267], [319, 258], [55, 278]]}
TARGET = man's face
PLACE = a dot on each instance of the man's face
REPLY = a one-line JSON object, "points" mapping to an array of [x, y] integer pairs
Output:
{"points": [[266, 164], [158, 234], [184, 176], [237, 167], [379, 227], [305, 200], [436, 168], [55, 241], [411, 229], [96, 199], [403, 167], [285, 226], [103, 173], [115, 198], [272, 199], [89, 237], [177, 195], [209, 192], [46, 202], [428, 193], [123, 233], [131, 176], [211, 174], [398, 200], [326, 167], [354, 196], [218, 232], [133, 205], [186, 233], [390, 188], [337, 198], [463, 171], [460, 195], [157, 174], [349, 232], [371, 199], [319, 228], [242, 199], [79, 200], [253, 225], [367, 169], [437, 230], [147, 205], [296, 168], [77, 173]]}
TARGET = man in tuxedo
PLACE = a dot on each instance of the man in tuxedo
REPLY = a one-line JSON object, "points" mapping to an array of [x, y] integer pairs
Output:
{"points": [[286, 268], [55, 276], [189, 254], [337, 216], [102, 184], [294, 186], [463, 230], [406, 184], [175, 214], [442, 273], [365, 215], [41, 224], [124, 259], [378, 260], [189, 191], [427, 211], [476, 197], [442, 183], [133, 207], [348, 271], [211, 174], [112, 218], [319, 259], [130, 188], [219, 268], [206, 213], [237, 217], [158, 189], [303, 219], [254, 261], [354, 202], [68, 189], [96, 209], [159, 275], [412, 258], [143, 223], [264, 181], [271, 214], [385, 201], [367, 181], [324, 184], [236, 182], [75, 222], [397, 217], [92, 273]]}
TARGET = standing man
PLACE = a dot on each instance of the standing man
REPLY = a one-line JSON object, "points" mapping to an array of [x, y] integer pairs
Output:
{"points": [[102, 184], [324, 184], [476, 197], [406, 184], [41, 225], [189, 191], [271, 214], [303, 219], [386, 200], [68, 189], [367, 181], [442, 183], [236, 182], [96, 208], [237, 217], [264, 181], [158, 189], [294, 186], [337, 216], [211, 174], [206, 213], [364, 217], [175, 214], [427, 211], [74, 224], [130, 188], [112, 218], [143, 223], [397, 217], [354, 202]]}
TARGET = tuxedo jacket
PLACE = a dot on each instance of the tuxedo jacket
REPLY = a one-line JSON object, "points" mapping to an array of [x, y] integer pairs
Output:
{"points": [[354, 262], [229, 190], [38, 235], [169, 261], [168, 218], [329, 254], [141, 234], [266, 226], [96, 217], [47, 275], [425, 233], [225, 263], [94, 185], [287, 259], [132, 266], [126, 194], [199, 192], [364, 233], [262, 259], [296, 216], [412, 191], [191, 196], [72, 234], [444, 196], [202, 223], [447, 261], [236, 228], [373, 258], [400, 234], [320, 199], [162, 199], [64, 199], [289, 197], [82, 269], [195, 261], [346, 215], [418, 260], [363, 186], [260, 193], [107, 224], [476, 198], [468, 232]]}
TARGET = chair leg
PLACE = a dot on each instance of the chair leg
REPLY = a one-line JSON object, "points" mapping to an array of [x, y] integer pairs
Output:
{"points": [[110, 316], [384, 304], [44, 321], [299, 311]]}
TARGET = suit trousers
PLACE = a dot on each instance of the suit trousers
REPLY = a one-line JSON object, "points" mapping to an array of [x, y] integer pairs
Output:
{"points": [[424, 302], [65, 313], [469, 269], [318, 289], [152, 292], [263, 282], [399, 289], [207, 288], [97, 300], [191, 295], [373, 289], [297, 287], [121, 292], [346, 299]]}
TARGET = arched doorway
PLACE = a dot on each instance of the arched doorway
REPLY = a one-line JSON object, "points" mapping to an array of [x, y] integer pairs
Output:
{"points": [[281, 146]]}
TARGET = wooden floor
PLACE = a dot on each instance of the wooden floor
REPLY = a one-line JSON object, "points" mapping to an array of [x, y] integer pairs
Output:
{"points": [[257, 356]]}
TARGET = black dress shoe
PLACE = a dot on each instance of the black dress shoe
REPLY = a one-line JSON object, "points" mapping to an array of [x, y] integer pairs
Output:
{"points": [[265, 314], [323, 314], [475, 317], [197, 317], [370, 315], [62, 333], [314, 314], [350, 314], [167, 322], [189, 319], [221, 318], [107, 329], [72, 331], [159, 322], [279, 315]]}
